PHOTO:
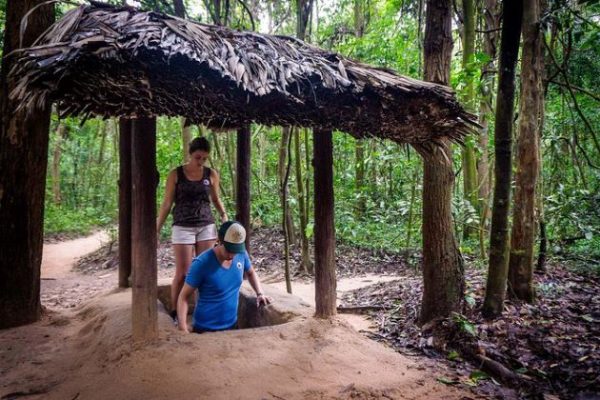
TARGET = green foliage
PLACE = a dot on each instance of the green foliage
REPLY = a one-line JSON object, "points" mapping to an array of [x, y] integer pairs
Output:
{"points": [[464, 324], [391, 192], [88, 172], [74, 221]]}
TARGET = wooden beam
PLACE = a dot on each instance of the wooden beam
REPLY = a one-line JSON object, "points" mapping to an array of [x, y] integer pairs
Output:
{"points": [[325, 281], [124, 202], [244, 150], [144, 181]]}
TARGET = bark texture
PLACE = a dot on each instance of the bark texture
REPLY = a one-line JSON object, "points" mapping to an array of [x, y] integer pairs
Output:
{"points": [[520, 267], [61, 132], [325, 282], [244, 150], [23, 162], [469, 159], [512, 13], [144, 179], [125, 126], [443, 280], [490, 44]]}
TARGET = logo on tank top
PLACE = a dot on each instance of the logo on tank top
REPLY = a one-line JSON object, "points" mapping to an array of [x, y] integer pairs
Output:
{"points": [[239, 265], [206, 182]]}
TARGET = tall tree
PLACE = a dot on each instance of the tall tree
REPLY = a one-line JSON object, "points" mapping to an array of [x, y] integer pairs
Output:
{"points": [[179, 8], [186, 126], [443, 275], [306, 263], [125, 189], [468, 152], [359, 147], [491, 16], [303, 13], [512, 13], [23, 162], [61, 132], [282, 162], [520, 267], [218, 10]]}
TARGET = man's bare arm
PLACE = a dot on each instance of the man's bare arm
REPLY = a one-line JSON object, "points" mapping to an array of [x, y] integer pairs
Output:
{"points": [[255, 283], [182, 306]]}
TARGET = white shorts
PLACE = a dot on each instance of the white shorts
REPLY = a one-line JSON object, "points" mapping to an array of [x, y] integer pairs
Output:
{"points": [[192, 235]]}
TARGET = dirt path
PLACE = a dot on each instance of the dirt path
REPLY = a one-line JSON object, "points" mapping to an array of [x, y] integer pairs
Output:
{"points": [[64, 288], [306, 291], [61, 287], [58, 258], [305, 359]]}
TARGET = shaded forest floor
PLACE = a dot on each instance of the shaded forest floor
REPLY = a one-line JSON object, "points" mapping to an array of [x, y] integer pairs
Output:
{"points": [[551, 348]]}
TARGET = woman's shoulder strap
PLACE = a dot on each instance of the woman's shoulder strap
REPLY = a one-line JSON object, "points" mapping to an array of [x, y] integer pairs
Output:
{"points": [[180, 174]]}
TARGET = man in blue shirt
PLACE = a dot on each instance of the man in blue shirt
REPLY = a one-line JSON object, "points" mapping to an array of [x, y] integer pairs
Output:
{"points": [[218, 274]]}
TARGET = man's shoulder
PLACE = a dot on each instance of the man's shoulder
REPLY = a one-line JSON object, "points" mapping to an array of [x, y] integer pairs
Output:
{"points": [[205, 257], [243, 260]]}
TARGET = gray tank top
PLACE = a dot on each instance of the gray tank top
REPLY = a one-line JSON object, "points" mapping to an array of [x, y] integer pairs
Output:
{"points": [[192, 200]]}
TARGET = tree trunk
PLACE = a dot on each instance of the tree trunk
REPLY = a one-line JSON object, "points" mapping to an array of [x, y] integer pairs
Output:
{"points": [[490, 44], [244, 149], [359, 149], [325, 281], [186, 126], [305, 256], [283, 190], [411, 206], [186, 138], [179, 8], [23, 162], [125, 153], [303, 14], [230, 153], [468, 152], [103, 133], [520, 267], [512, 12], [61, 133], [144, 179], [286, 218], [303, 11], [443, 278]]}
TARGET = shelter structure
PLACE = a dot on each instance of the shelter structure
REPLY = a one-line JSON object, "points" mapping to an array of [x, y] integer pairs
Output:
{"points": [[108, 61]]}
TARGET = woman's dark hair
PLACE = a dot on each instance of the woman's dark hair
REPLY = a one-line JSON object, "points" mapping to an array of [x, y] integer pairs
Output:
{"points": [[200, 143]]}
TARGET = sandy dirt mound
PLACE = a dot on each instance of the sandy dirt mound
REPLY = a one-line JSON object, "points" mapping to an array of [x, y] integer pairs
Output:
{"points": [[87, 353]]}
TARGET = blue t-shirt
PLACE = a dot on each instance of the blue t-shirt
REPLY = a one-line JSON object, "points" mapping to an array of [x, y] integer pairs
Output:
{"points": [[218, 289]]}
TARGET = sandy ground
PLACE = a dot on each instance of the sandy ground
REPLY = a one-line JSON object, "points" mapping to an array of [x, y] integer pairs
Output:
{"points": [[83, 350], [306, 291]]}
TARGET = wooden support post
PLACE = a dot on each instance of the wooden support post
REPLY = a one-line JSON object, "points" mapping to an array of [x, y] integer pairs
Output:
{"points": [[124, 202], [325, 281], [243, 180], [144, 182]]}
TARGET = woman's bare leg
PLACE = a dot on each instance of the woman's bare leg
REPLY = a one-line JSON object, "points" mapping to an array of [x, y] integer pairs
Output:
{"points": [[183, 259], [204, 245]]}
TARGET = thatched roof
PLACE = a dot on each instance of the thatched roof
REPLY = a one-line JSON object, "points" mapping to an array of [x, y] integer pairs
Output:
{"points": [[117, 61]]}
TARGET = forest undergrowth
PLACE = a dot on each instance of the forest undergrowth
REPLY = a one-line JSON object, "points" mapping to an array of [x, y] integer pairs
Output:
{"points": [[549, 347]]}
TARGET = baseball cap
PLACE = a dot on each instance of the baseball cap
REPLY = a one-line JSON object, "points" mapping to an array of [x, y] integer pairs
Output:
{"points": [[233, 235]]}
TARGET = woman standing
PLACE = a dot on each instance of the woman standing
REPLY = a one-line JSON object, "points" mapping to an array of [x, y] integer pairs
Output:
{"points": [[191, 187]]}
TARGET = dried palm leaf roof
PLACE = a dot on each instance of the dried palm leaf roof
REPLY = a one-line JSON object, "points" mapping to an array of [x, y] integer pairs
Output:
{"points": [[117, 61]]}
